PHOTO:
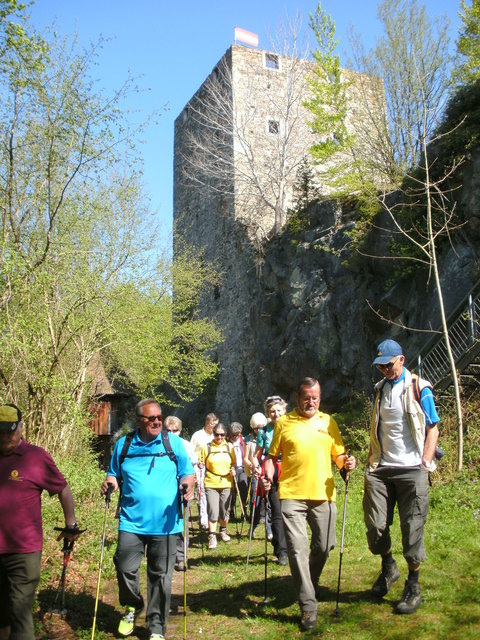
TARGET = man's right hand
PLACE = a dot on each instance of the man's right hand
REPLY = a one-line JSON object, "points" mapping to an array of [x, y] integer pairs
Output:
{"points": [[266, 483], [109, 480]]}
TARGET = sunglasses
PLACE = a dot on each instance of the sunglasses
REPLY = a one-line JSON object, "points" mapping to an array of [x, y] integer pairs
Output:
{"points": [[389, 365], [151, 418], [273, 399], [219, 435]]}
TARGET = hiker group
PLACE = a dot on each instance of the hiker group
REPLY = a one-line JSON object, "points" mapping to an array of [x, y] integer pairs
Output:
{"points": [[280, 474]]}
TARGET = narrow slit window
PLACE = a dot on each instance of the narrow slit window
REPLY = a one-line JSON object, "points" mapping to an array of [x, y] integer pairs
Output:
{"points": [[273, 127]]}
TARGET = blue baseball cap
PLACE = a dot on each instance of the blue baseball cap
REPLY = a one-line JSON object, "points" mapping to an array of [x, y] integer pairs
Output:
{"points": [[387, 350]]}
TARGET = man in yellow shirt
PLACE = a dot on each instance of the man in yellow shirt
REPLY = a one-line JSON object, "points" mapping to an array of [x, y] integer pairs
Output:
{"points": [[308, 440]]}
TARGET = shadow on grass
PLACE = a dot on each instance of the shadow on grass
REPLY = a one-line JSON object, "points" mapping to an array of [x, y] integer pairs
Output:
{"points": [[78, 616]]}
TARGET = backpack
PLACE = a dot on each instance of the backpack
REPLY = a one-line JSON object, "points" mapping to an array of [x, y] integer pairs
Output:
{"points": [[416, 387], [439, 453], [166, 443], [209, 446]]}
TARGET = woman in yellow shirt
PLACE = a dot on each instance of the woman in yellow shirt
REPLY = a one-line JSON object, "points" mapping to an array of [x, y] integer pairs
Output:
{"points": [[218, 458]]}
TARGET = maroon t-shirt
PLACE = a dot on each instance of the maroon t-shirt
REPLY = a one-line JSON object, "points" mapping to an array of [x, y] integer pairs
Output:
{"points": [[23, 476]]}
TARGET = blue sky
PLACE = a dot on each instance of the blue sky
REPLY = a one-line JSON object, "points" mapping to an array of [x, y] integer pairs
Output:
{"points": [[171, 47]]}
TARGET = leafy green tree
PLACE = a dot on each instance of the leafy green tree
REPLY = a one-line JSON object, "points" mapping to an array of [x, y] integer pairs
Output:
{"points": [[467, 70], [328, 102], [348, 119], [79, 259], [411, 57]]}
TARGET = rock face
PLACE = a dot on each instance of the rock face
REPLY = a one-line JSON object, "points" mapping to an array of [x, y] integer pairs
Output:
{"points": [[311, 305]]}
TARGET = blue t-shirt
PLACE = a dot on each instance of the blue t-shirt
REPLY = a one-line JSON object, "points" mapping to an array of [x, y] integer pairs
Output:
{"points": [[149, 504]]}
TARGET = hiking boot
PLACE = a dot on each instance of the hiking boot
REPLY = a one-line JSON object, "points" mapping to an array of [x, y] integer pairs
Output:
{"points": [[308, 621], [411, 598], [180, 566], [127, 623], [282, 559], [224, 535], [269, 535], [212, 541], [321, 593], [388, 576], [157, 636]]}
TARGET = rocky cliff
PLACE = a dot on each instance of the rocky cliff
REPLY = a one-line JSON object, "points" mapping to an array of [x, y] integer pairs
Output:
{"points": [[309, 304]]}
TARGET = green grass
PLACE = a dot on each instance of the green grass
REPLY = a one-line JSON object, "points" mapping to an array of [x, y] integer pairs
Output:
{"points": [[224, 600]]}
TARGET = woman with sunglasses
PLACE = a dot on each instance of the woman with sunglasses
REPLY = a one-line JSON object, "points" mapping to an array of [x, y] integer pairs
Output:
{"points": [[218, 458]]}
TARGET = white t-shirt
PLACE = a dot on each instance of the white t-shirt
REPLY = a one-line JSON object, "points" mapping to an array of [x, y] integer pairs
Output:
{"points": [[398, 446], [200, 439], [191, 451]]}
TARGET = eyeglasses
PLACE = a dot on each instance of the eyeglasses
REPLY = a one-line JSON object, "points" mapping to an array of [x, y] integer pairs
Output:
{"points": [[219, 435], [151, 418], [388, 366]]}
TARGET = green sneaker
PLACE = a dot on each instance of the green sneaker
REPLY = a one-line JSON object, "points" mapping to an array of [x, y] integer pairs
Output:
{"points": [[127, 623]]}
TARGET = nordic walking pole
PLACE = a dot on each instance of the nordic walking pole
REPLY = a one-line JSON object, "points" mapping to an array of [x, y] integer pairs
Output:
{"points": [[250, 533], [248, 492], [265, 599], [347, 478], [184, 487], [239, 496], [107, 504], [67, 550]]}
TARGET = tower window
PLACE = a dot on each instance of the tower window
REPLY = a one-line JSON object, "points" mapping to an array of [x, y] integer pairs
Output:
{"points": [[273, 127], [272, 61]]}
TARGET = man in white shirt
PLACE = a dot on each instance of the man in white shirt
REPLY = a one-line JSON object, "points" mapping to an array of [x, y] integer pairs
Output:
{"points": [[403, 437]]}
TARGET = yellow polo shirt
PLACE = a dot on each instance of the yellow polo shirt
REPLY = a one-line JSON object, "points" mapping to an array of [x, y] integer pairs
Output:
{"points": [[307, 446]]}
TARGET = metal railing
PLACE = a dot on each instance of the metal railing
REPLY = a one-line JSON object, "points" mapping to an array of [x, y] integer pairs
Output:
{"points": [[464, 333]]}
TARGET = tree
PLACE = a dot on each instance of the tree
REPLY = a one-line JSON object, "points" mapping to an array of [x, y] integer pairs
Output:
{"points": [[412, 60], [328, 102], [79, 261], [347, 118], [467, 69]]}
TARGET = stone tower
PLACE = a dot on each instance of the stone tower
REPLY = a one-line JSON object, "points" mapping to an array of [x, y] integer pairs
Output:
{"points": [[239, 145]]}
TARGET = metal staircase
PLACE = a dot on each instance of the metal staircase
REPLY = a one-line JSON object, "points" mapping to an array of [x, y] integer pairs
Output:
{"points": [[464, 331]]}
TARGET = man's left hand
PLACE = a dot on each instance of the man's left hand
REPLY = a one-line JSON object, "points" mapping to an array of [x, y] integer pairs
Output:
{"points": [[70, 533]]}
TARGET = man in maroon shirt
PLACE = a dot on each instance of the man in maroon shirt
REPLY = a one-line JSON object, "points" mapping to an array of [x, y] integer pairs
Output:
{"points": [[25, 471]]}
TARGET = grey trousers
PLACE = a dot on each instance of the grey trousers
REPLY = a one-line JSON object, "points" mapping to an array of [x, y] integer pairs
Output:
{"points": [[306, 564], [407, 488], [218, 504], [160, 553], [19, 576]]}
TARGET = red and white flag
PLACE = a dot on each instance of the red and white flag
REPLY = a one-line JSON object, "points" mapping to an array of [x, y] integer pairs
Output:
{"points": [[246, 36]]}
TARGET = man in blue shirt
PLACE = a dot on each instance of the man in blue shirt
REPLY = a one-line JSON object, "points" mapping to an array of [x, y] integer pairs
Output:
{"points": [[403, 437], [150, 516]]}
